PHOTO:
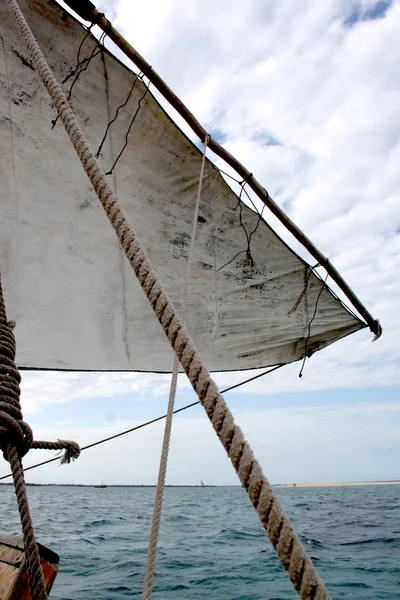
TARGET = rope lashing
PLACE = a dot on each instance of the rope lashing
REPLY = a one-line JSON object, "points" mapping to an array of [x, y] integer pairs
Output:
{"points": [[155, 526], [287, 545], [16, 439]]}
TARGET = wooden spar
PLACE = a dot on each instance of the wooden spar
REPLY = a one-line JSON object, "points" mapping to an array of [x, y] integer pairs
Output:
{"points": [[87, 11]]}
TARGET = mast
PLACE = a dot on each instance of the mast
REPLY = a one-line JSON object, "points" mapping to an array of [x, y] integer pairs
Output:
{"points": [[87, 11]]}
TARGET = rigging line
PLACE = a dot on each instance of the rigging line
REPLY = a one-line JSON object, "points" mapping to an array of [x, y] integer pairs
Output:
{"points": [[308, 271], [252, 202], [260, 214], [295, 306], [248, 235], [227, 174], [155, 526], [98, 153], [129, 129], [80, 68], [241, 183], [232, 259], [306, 354], [160, 418], [78, 56]]}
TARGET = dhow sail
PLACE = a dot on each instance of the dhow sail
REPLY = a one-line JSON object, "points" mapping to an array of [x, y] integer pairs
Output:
{"points": [[252, 302]]}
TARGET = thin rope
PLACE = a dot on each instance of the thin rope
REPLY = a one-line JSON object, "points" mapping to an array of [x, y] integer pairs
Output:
{"points": [[155, 526], [160, 418], [306, 351], [287, 545]]}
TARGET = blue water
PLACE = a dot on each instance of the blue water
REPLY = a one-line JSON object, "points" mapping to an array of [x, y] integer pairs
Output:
{"points": [[212, 545]]}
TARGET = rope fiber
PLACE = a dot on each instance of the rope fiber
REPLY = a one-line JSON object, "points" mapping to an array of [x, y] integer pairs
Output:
{"points": [[287, 545], [155, 526]]}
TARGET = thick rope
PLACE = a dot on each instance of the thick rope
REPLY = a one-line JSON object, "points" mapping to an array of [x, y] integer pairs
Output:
{"points": [[15, 441], [287, 545], [155, 527], [37, 587], [72, 449]]}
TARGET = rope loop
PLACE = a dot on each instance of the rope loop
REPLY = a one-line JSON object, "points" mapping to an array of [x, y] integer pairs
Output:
{"points": [[13, 430]]}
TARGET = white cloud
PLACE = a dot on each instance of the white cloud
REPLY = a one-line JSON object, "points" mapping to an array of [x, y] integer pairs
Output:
{"points": [[293, 444], [40, 389]]}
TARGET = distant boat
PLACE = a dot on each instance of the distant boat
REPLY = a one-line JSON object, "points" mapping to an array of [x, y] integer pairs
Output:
{"points": [[103, 485], [202, 484]]}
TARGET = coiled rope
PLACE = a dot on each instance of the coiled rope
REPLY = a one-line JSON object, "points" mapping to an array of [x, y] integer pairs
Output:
{"points": [[287, 545]]}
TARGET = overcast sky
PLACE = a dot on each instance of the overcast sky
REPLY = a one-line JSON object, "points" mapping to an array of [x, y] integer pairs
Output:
{"points": [[307, 95]]}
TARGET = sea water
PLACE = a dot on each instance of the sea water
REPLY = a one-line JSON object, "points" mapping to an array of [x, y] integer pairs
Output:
{"points": [[211, 542]]}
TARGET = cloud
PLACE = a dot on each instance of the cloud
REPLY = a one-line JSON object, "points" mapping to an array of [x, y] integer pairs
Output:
{"points": [[306, 95], [305, 443], [40, 389]]}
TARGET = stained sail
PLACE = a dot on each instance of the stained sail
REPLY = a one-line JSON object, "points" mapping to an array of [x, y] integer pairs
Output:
{"points": [[252, 301]]}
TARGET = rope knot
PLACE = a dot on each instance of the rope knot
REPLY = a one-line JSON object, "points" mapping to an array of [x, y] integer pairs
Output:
{"points": [[14, 432], [72, 451]]}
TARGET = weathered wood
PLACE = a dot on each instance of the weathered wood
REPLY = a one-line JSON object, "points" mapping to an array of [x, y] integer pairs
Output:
{"points": [[13, 577]]}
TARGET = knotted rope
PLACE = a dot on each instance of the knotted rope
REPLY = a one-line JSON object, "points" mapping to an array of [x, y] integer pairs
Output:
{"points": [[155, 526], [287, 545]]}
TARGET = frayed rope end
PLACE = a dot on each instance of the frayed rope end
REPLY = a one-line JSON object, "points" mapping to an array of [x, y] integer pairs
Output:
{"points": [[71, 452]]}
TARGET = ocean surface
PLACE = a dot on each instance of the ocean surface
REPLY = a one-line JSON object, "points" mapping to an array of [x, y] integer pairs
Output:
{"points": [[211, 544]]}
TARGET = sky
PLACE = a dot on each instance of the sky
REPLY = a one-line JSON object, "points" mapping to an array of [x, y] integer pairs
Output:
{"points": [[306, 94]]}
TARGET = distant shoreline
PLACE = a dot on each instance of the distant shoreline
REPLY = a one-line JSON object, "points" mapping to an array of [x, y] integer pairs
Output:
{"points": [[305, 484]]}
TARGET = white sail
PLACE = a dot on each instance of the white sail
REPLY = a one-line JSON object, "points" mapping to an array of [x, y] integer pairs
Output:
{"points": [[67, 285]]}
